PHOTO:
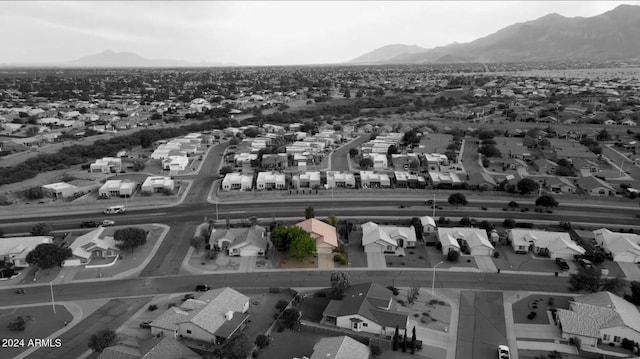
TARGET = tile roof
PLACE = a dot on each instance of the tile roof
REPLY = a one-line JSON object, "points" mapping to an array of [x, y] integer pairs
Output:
{"points": [[320, 231], [342, 347]]}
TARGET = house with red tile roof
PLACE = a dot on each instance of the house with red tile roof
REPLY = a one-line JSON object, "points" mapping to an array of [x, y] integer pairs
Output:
{"points": [[324, 234]]}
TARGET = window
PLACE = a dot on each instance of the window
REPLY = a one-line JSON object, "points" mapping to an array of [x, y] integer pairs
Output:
{"points": [[188, 331], [616, 339], [356, 325], [606, 337], [365, 324]]}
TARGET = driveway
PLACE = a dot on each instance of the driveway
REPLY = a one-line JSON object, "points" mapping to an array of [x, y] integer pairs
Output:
{"points": [[485, 264], [537, 331], [325, 261], [376, 260], [247, 264], [481, 325]]}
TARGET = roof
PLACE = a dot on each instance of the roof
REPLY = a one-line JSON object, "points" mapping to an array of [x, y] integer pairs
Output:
{"points": [[217, 302], [474, 237], [590, 183], [617, 243], [342, 347], [242, 237], [20, 246], [554, 241], [169, 348], [83, 245], [128, 349], [591, 313], [320, 231], [369, 300], [372, 233], [428, 221], [480, 178]]}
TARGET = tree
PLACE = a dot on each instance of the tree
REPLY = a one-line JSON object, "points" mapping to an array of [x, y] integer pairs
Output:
{"points": [[527, 185], [332, 220], [238, 347], [457, 199], [413, 341], [197, 242], [138, 165], [603, 135], [340, 282], [590, 280], [396, 339], [347, 93], [33, 193], [416, 223], [546, 200], [309, 213], [413, 292], [353, 152], [453, 256], [48, 255], [513, 204], [41, 229], [302, 246], [489, 151], [634, 297], [130, 238], [290, 317], [509, 223], [262, 341], [404, 341], [102, 339], [32, 131], [224, 170], [392, 150], [616, 285], [365, 163], [17, 325]]}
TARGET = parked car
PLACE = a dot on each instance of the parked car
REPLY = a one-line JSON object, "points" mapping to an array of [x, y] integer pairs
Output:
{"points": [[108, 222], [562, 264], [90, 224], [188, 296], [145, 325], [585, 263], [202, 287], [503, 352]]}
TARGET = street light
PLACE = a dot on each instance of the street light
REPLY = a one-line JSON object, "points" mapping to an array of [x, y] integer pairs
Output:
{"points": [[53, 302], [433, 279]]}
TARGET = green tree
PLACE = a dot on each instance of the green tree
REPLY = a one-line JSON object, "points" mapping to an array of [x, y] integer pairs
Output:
{"points": [[366, 163], [302, 246], [130, 238], [224, 170], [340, 282], [262, 341], [392, 150], [509, 223], [353, 152], [138, 165], [309, 213], [416, 223], [290, 317], [527, 185], [33, 193], [634, 297], [102, 339], [197, 242], [603, 135], [413, 341], [453, 256], [48, 255], [347, 93], [489, 151], [457, 199], [32, 131], [17, 325], [590, 280], [546, 200], [41, 229], [332, 220], [238, 347], [396, 339]]}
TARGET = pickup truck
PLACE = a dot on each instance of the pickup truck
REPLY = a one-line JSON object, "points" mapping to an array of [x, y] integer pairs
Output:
{"points": [[562, 264]]}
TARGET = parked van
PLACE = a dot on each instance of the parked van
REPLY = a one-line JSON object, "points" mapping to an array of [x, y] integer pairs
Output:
{"points": [[114, 210]]}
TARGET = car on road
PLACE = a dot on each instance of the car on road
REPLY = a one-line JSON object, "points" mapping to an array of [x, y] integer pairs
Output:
{"points": [[429, 202], [585, 263], [90, 224], [145, 325], [562, 264], [503, 352], [108, 223], [202, 287], [114, 210]]}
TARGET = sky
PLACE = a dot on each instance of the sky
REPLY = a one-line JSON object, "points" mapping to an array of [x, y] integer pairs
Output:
{"points": [[256, 32]]}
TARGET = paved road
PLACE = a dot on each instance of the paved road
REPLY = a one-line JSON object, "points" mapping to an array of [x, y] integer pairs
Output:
{"points": [[481, 325], [339, 160]]}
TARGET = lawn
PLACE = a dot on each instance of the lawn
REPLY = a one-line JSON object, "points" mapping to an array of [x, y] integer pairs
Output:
{"points": [[314, 304], [285, 261], [40, 323], [538, 303]]}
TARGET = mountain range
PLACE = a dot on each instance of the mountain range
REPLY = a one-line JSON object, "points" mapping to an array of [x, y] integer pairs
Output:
{"points": [[613, 35], [109, 58]]}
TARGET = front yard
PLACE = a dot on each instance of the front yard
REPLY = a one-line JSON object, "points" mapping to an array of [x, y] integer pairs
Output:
{"points": [[431, 312], [413, 258], [539, 304]]}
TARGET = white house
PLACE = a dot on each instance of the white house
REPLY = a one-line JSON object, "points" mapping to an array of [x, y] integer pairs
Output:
{"points": [[379, 160], [370, 179], [106, 165], [473, 238], [429, 227], [175, 163], [600, 318], [213, 317], [624, 247], [387, 239], [270, 180], [242, 242], [15, 249], [337, 179], [309, 179], [120, 188], [237, 181], [60, 190], [155, 184], [94, 244], [365, 307], [544, 243]]}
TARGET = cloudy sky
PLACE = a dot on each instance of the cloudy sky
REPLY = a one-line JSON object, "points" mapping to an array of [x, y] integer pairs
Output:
{"points": [[256, 33]]}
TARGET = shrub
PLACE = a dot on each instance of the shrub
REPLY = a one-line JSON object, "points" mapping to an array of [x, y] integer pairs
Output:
{"points": [[152, 307], [532, 315], [18, 325], [442, 220], [628, 344], [484, 208], [280, 329], [344, 261], [375, 350], [321, 294], [509, 223], [262, 341], [281, 305], [337, 257], [453, 256], [394, 290], [496, 254], [439, 246]]}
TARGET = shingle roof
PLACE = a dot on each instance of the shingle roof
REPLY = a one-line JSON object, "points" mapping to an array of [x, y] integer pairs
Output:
{"points": [[219, 301], [342, 347], [169, 348], [474, 237]]}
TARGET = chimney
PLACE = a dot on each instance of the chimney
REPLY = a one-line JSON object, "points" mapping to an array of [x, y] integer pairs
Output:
{"points": [[228, 315]]}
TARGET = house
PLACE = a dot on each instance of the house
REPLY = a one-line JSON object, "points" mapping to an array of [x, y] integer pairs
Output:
{"points": [[474, 239], [60, 190], [337, 179], [93, 245], [270, 180], [120, 188], [365, 307], [595, 187], [213, 317], [560, 185], [155, 184], [624, 247], [387, 239], [585, 165], [429, 227], [481, 180], [379, 160], [106, 165], [544, 243], [600, 318], [175, 163], [155, 348], [628, 122], [309, 179], [277, 161], [324, 234], [342, 347], [242, 242], [546, 166], [370, 179], [237, 181], [15, 249]]}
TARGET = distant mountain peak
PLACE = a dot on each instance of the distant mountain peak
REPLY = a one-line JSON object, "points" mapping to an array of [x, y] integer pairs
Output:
{"points": [[110, 58]]}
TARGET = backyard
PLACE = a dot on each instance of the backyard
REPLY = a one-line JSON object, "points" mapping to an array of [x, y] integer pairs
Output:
{"points": [[40, 322]]}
